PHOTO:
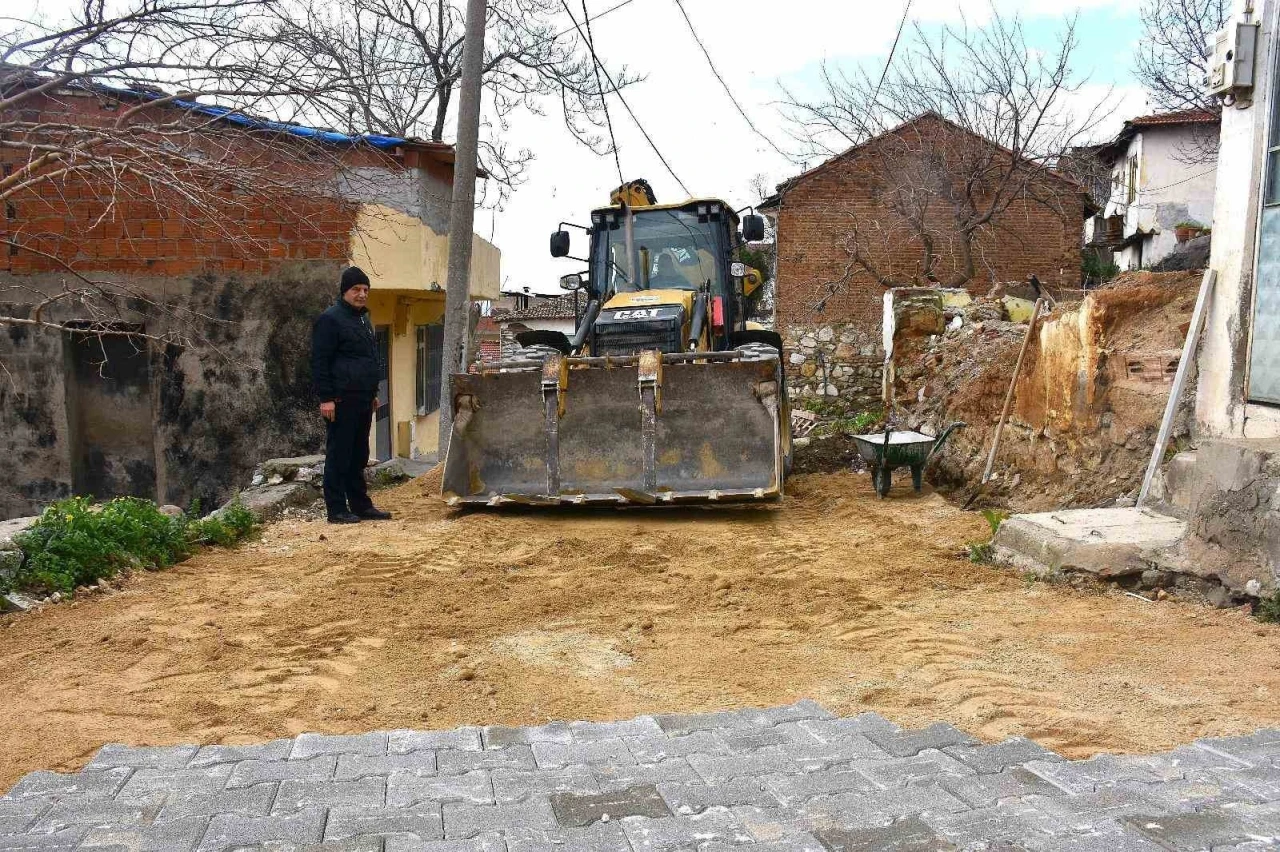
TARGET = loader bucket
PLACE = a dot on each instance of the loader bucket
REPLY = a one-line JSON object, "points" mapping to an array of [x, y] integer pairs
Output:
{"points": [[647, 429]]}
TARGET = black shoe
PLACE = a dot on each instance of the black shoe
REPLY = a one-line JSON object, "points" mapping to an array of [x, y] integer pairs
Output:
{"points": [[344, 518], [373, 514]]}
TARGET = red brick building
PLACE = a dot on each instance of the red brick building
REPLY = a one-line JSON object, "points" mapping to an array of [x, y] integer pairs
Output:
{"points": [[223, 266], [854, 204]]}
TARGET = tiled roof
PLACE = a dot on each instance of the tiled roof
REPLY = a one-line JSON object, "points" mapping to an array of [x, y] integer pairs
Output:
{"points": [[1182, 116], [553, 307]]}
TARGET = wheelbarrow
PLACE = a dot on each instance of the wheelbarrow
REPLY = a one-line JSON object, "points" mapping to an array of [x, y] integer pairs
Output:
{"points": [[886, 451]]}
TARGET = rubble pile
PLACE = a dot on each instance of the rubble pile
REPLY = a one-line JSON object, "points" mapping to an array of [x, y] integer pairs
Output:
{"points": [[1088, 401]]}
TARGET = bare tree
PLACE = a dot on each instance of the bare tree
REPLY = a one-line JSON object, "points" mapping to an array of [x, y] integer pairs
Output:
{"points": [[116, 107], [1003, 113], [392, 66], [1169, 62]]}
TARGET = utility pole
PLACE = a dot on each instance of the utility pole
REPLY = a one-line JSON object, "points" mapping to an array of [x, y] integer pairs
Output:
{"points": [[462, 216]]}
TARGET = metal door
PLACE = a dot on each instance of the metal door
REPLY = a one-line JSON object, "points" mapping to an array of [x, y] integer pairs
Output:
{"points": [[382, 420]]}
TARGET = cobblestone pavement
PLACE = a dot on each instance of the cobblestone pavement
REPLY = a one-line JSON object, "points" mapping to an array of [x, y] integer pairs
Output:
{"points": [[785, 779]]}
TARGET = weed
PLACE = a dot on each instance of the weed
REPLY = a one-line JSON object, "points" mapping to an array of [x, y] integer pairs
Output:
{"points": [[995, 518], [1269, 609], [858, 423], [76, 543], [983, 554]]}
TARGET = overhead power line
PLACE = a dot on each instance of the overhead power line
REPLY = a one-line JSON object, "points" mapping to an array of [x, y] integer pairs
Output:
{"points": [[906, 10], [617, 92], [725, 85], [593, 18], [604, 102]]}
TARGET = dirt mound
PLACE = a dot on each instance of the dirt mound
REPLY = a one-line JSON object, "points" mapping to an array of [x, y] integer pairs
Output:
{"points": [[1088, 402]]}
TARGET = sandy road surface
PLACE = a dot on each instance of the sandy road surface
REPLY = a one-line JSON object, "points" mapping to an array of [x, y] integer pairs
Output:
{"points": [[439, 619]]}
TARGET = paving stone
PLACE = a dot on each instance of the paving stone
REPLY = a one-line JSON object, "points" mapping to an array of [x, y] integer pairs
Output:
{"points": [[641, 726], [1200, 830], [1256, 749], [928, 765], [422, 821], [1261, 784], [694, 796], [910, 743], [489, 842], [252, 772], [551, 755], [998, 757], [61, 841], [1108, 803], [768, 824], [814, 755], [678, 724], [654, 749], [715, 769], [1085, 776], [863, 810], [172, 836], [17, 815], [154, 757], [353, 766], [691, 832], [93, 811], [830, 730], [793, 789], [459, 739], [803, 842], [1012, 822], [305, 793], [906, 835], [464, 821], [52, 785], [245, 801], [598, 837], [310, 745], [498, 737], [803, 709], [228, 831], [155, 785], [1181, 762], [451, 762], [211, 755], [405, 789], [749, 739], [982, 790], [1105, 837], [575, 810], [616, 776], [516, 785]]}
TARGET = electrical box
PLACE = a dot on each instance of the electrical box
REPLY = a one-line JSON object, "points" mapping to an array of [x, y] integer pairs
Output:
{"points": [[1230, 62]]}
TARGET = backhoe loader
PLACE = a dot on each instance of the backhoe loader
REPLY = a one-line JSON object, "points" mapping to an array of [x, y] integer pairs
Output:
{"points": [[664, 394]]}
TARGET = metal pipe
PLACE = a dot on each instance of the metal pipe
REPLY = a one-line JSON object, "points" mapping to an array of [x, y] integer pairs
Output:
{"points": [[584, 325], [698, 321]]}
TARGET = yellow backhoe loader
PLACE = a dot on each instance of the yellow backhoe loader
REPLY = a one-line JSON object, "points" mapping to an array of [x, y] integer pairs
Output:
{"points": [[664, 394]]}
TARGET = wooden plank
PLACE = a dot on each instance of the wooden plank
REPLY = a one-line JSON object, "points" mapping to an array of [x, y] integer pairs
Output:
{"points": [[1179, 379]]}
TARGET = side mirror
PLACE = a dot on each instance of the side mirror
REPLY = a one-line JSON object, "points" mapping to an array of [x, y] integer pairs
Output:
{"points": [[571, 282], [753, 228], [560, 244]]}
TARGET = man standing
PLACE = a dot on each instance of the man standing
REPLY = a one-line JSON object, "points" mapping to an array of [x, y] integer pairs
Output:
{"points": [[346, 369]]}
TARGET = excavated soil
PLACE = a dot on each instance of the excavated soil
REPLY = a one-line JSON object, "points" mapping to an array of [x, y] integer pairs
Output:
{"points": [[439, 619]]}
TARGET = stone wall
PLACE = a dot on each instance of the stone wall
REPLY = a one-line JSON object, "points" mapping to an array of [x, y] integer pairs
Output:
{"points": [[842, 363]]}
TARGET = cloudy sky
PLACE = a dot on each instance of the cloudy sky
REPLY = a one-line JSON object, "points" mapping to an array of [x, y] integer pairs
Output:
{"points": [[758, 46]]}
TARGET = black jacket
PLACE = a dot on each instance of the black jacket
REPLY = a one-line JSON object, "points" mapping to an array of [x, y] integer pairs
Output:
{"points": [[344, 353]]}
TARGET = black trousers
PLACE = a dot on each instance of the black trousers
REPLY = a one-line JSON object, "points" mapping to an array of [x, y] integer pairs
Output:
{"points": [[346, 452]]}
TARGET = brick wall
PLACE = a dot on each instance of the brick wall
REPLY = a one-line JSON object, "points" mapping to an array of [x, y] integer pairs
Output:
{"points": [[149, 227], [816, 218]]}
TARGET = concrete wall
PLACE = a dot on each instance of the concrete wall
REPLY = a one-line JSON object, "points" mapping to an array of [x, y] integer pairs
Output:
{"points": [[1169, 191], [1221, 409]]}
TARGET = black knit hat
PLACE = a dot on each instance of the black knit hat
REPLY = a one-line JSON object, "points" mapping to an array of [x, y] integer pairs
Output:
{"points": [[351, 276]]}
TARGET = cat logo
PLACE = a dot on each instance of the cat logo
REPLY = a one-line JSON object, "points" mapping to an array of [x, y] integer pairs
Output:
{"points": [[636, 313]]}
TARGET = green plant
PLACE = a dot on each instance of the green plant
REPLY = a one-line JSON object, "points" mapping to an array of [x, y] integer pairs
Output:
{"points": [[982, 553], [995, 518], [76, 543], [1190, 223], [1269, 609], [1094, 268]]}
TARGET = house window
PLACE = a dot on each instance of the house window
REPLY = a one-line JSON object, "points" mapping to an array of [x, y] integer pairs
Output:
{"points": [[430, 356], [1132, 195], [1272, 195]]}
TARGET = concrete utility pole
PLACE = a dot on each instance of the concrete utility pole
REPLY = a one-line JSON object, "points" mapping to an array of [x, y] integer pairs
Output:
{"points": [[462, 216]]}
